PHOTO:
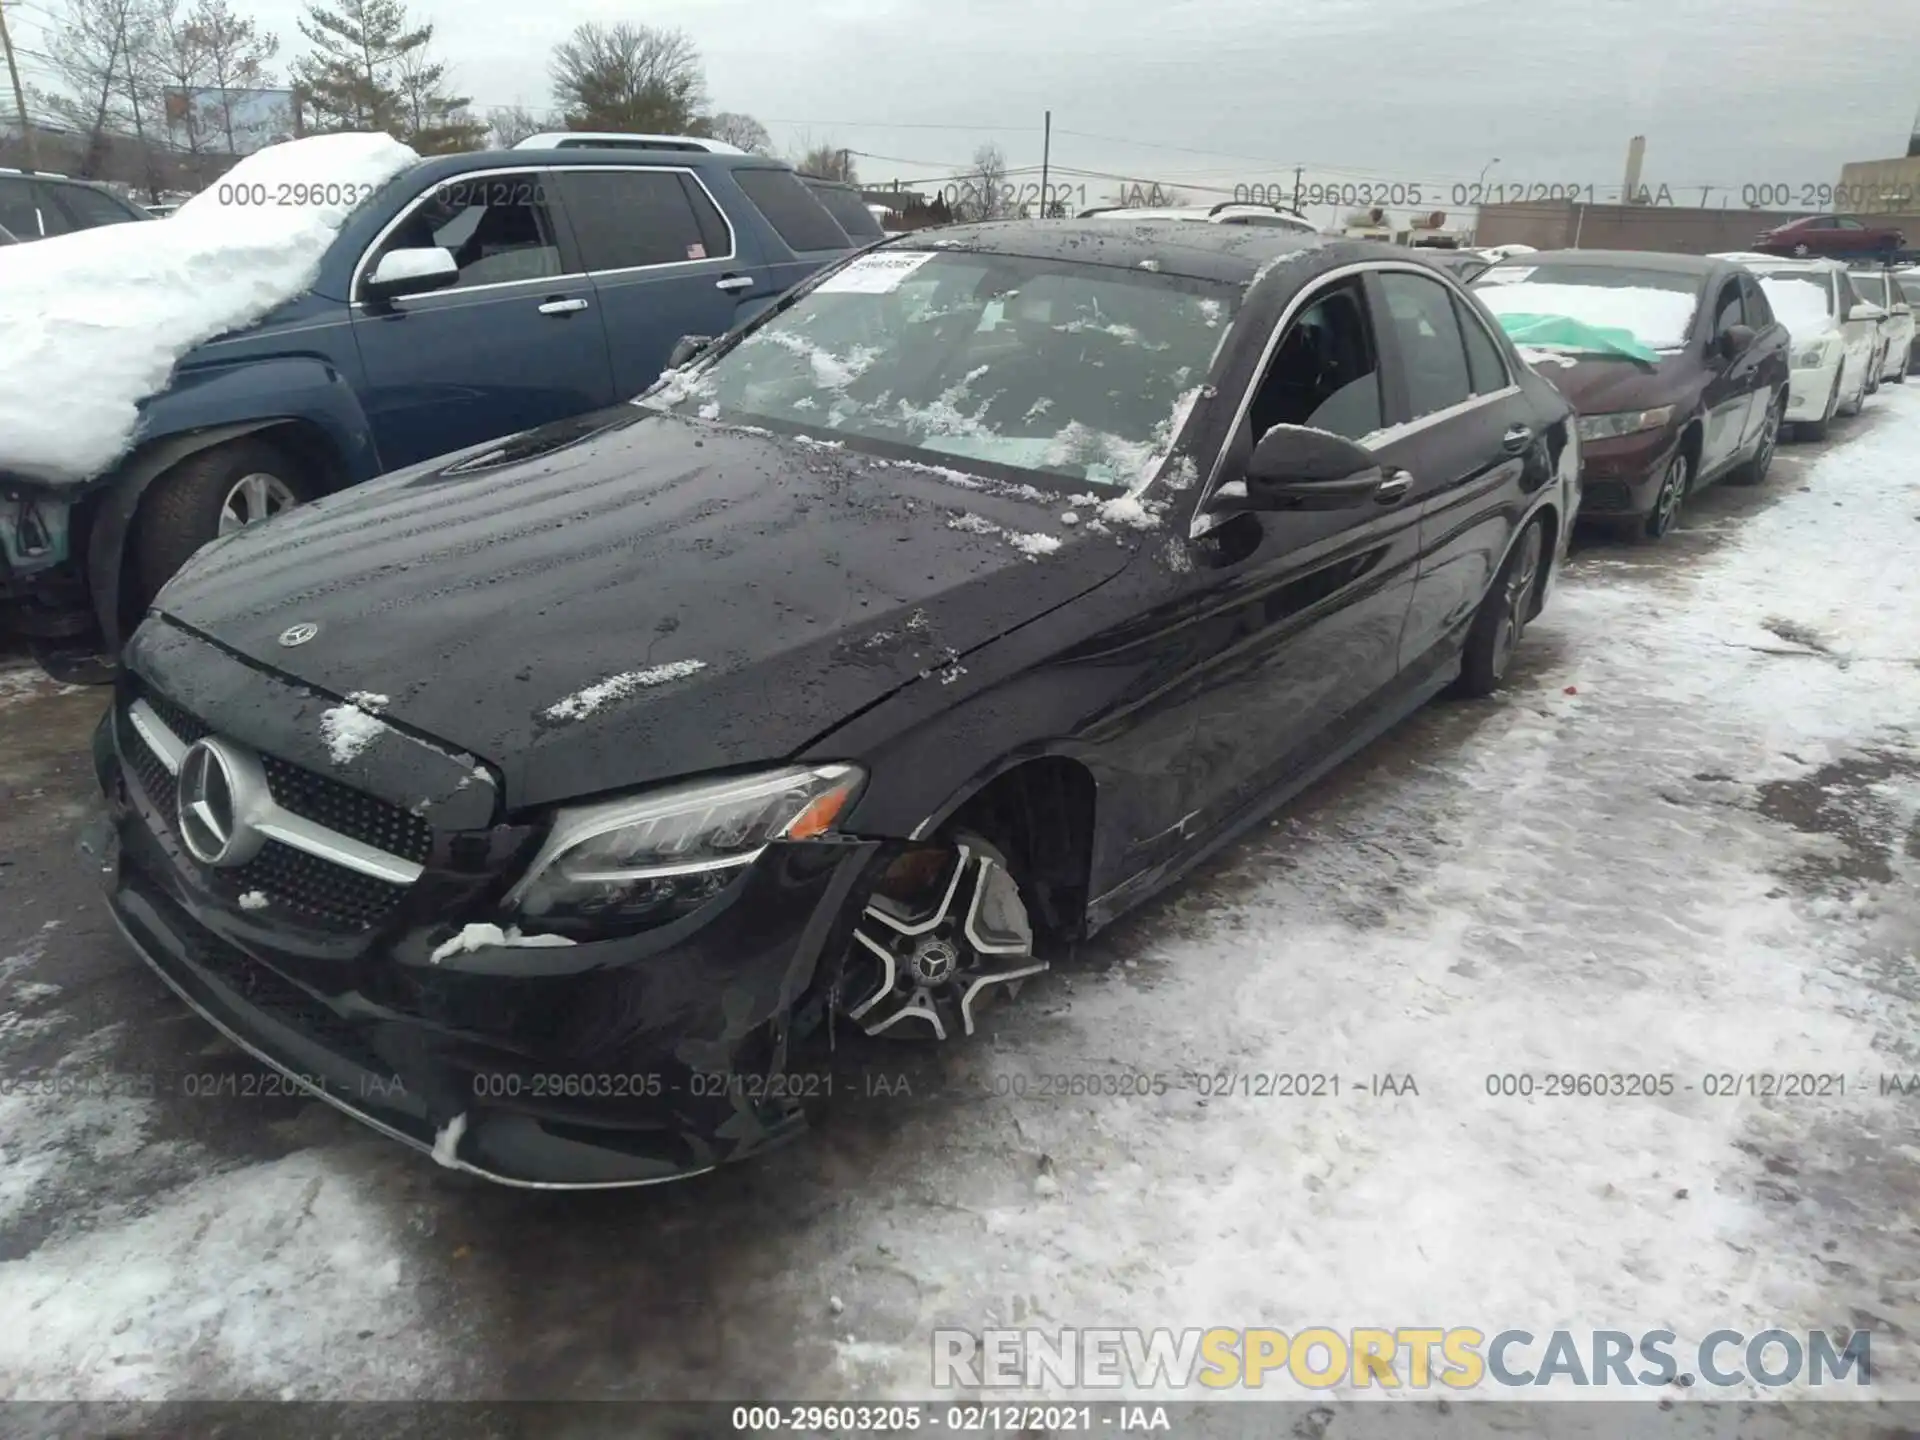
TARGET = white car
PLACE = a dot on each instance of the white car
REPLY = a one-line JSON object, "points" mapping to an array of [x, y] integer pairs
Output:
{"points": [[1836, 337], [1227, 212], [1878, 287]]}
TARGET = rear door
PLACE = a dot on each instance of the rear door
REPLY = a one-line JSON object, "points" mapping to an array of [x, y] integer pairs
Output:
{"points": [[517, 342], [663, 259], [1466, 435]]}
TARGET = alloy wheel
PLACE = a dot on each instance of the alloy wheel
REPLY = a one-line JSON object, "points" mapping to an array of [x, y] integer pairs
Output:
{"points": [[1666, 505], [931, 962], [1516, 600], [1769, 441], [255, 498]]}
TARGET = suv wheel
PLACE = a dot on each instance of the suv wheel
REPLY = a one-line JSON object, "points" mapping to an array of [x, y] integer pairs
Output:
{"points": [[213, 493]]}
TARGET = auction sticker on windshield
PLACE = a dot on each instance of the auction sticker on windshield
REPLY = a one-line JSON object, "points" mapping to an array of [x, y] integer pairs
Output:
{"points": [[875, 274]]}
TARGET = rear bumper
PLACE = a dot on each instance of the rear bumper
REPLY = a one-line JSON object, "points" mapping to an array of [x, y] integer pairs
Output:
{"points": [[642, 1062]]}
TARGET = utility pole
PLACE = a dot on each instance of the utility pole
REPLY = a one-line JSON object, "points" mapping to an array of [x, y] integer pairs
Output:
{"points": [[846, 164], [1296, 189], [19, 95], [1046, 155]]}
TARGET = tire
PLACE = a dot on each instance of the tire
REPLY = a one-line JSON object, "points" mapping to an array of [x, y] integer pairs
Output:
{"points": [[1674, 486], [202, 495], [1501, 620], [1754, 471]]}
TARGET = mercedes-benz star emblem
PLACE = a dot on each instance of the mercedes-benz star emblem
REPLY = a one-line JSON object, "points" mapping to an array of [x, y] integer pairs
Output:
{"points": [[299, 634], [220, 789]]}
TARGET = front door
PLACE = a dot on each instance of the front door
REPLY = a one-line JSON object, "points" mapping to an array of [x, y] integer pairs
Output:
{"points": [[1728, 395], [1300, 621], [517, 342]]}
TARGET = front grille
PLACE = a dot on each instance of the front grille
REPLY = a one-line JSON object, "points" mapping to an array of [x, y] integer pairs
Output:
{"points": [[318, 890], [1604, 497]]}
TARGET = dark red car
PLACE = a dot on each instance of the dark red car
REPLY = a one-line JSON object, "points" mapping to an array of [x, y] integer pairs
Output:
{"points": [[1840, 236]]}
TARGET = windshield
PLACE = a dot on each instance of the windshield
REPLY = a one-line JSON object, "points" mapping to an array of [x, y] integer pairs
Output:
{"points": [[1801, 301], [1654, 306], [1870, 287], [1057, 368]]}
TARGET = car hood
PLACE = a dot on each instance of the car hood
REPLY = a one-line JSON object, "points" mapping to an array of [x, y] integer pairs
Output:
{"points": [[1599, 385], [630, 596]]}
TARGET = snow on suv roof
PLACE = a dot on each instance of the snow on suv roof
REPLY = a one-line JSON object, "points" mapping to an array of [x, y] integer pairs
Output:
{"points": [[1228, 213], [616, 140]]}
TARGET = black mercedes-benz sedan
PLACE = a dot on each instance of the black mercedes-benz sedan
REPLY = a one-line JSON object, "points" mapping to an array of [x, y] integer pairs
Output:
{"points": [[552, 805]]}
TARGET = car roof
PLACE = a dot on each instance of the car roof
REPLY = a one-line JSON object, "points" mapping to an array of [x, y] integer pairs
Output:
{"points": [[1230, 253], [1812, 264], [1625, 259], [434, 167]]}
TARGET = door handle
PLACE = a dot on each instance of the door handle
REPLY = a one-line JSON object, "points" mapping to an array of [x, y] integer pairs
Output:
{"points": [[733, 282], [1397, 484], [1516, 439], [563, 307]]}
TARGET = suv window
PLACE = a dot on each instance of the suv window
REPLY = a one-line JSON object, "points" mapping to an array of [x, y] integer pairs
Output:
{"points": [[624, 219], [1726, 309], [499, 228], [1432, 352], [17, 210], [1326, 371], [790, 208], [847, 208], [87, 207], [1486, 367]]}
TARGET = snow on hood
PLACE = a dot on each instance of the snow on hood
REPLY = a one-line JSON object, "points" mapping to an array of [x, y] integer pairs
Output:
{"points": [[95, 321]]}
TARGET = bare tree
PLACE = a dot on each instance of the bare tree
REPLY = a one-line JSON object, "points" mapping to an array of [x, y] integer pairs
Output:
{"points": [[628, 78], [102, 55], [738, 129], [431, 120], [236, 54], [828, 161], [508, 125], [984, 192]]}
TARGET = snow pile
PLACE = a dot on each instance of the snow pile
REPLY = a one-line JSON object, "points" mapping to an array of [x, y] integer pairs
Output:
{"points": [[617, 687], [483, 936], [94, 321], [348, 730], [1657, 318], [1032, 545]]}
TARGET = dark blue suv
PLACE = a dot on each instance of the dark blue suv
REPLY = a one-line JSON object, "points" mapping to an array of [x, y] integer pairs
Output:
{"points": [[472, 297]]}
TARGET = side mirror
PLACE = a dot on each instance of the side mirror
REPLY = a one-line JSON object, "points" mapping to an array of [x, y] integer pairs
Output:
{"points": [[685, 348], [1295, 468], [412, 272], [1735, 339]]}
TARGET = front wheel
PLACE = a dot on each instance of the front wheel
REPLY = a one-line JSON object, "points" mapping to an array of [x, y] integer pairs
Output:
{"points": [[1502, 618], [210, 494], [1673, 494], [1755, 470]]}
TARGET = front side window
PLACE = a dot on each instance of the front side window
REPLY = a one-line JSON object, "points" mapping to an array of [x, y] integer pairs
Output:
{"points": [[1727, 311], [1041, 366], [624, 219], [1427, 336], [1869, 287], [499, 228], [1845, 224], [1325, 372], [1759, 312]]}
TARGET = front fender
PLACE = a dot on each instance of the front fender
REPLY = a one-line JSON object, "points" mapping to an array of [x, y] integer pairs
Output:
{"points": [[204, 408]]}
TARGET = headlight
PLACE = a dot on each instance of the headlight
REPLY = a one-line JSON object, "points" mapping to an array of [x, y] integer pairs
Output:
{"points": [[648, 859], [1623, 422], [1812, 357]]}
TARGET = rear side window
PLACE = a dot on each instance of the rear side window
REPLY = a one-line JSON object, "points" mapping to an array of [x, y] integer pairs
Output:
{"points": [[625, 219], [87, 207], [1432, 353], [17, 211], [790, 208], [848, 209], [1485, 368]]}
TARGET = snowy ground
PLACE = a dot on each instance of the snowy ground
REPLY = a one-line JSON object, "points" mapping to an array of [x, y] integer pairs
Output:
{"points": [[1683, 843]]}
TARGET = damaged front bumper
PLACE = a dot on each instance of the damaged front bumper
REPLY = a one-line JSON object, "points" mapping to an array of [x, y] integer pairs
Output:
{"points": [[614, 1063], [41, 572]]}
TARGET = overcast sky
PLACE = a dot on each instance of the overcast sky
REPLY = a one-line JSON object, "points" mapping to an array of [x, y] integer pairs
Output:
{"points": [[1209, 93]]}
